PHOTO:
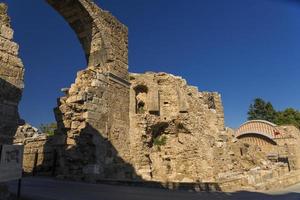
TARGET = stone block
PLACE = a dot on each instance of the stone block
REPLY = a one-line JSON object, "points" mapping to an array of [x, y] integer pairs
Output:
{"points": [[92, 169], [6, 32], [9, 46]]}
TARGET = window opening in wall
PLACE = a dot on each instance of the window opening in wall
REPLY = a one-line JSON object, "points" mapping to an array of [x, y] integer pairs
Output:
{"points": [[141, 108], [211, 102], [141, 92]]}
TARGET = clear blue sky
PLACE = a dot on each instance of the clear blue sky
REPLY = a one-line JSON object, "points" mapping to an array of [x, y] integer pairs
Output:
{"points": [[242, 49]]}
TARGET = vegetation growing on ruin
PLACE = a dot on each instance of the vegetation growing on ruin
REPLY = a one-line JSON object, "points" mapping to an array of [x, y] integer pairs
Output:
{"points": [[156, 132], [160, 141], [49, 128], [263, 110]]}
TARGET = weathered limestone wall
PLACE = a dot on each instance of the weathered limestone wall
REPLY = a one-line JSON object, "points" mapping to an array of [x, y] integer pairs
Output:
{"points": [[164, 107], [290, 145], [38, 150], [11, 79], [11, 85], [214, 102], [177, 134], [276, 177], [93, 117]]}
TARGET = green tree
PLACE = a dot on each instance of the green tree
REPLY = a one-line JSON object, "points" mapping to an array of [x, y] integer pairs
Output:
{"points": [[289, 116], [262, 110], [49, 129]]}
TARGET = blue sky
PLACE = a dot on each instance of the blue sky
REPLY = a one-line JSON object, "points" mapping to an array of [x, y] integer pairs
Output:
{"points": [[242, 49]]}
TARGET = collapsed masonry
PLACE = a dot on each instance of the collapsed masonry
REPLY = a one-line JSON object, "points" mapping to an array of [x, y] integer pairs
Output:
{"points": [[275, 142], [116, 125]]}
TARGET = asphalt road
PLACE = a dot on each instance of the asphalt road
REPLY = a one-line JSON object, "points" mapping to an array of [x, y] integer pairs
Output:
{"points": [[50, 189]]}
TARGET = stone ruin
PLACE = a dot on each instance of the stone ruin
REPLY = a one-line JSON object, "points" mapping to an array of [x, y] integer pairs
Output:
{"points": [[113, 124], [11, 85], [11, 79], [164, 107]]}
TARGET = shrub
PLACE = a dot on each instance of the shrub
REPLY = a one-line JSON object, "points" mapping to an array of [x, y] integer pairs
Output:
{"points": [[49, 129], [160, 141]]}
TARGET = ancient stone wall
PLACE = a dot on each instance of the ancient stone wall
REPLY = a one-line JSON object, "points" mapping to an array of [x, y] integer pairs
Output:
{"points": [[151, 126], [11, 79], [39, 152], [291, 145], [11, 85], [93, 117], [173, 128], [214, 102], [177, 134]]}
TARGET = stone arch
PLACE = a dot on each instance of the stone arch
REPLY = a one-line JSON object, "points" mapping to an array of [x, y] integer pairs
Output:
{"points": [[102, 36], [77, 14], [93, 116]]}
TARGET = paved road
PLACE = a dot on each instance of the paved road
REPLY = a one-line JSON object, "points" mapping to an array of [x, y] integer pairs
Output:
{"points": [[49, 189]]}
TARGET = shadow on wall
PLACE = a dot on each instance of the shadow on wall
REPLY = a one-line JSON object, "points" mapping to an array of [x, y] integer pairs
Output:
{"points": [[10, 95], [94, 155], [90, 157], [85, 154], [94, 159]]}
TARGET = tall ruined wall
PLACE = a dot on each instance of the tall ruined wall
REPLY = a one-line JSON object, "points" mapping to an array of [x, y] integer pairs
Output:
{"points": [[11, 79], [93, 116], [11, 85], [173, 128]]}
